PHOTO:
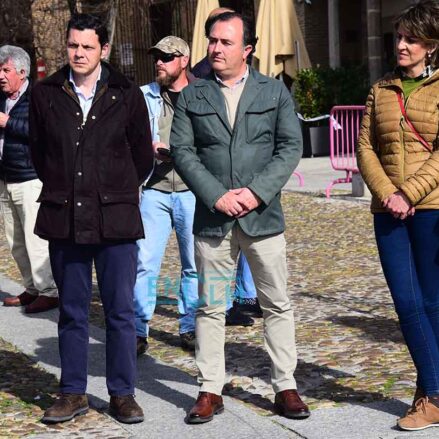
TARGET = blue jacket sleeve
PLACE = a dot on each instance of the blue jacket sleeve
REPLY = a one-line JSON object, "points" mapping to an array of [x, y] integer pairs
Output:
{"points": [[18, 126]]}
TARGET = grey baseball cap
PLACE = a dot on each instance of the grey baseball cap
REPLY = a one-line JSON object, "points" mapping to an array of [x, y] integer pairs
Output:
{"points": [[172, 45]]}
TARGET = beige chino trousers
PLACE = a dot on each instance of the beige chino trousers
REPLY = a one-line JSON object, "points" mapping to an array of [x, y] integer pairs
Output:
{"points": [[19, 208], [215, 259]]}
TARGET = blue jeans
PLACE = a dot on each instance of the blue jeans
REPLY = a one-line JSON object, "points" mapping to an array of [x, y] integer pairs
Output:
{"points": [[409, 253], [161, 211], [244, 285]]}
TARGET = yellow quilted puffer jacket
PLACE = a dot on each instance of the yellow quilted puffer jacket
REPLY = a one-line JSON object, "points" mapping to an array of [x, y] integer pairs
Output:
{"points": [[389, 155]]}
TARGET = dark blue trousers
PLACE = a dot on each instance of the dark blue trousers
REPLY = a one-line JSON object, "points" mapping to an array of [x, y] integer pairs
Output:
{"points": [[116, 266], [409, 253]]}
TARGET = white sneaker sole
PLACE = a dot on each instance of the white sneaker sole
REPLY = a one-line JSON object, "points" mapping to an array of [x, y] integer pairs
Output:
{"points": [[419, 428]]}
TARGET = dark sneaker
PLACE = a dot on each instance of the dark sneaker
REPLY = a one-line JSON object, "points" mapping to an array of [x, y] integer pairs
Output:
{"points": [[125, 409], [250, 307], [142, 345], [234, 317], [65, 408], [187, 340]]}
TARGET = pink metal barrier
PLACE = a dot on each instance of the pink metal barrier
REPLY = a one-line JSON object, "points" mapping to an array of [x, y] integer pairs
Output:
{"points": [[299, 177], [344, 128]]}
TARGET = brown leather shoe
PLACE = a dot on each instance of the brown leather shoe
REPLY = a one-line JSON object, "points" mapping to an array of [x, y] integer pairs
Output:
{"points": [[22, 300], [207, 405], [41, 304], [65, 408], [288, 403], [125, 409]]}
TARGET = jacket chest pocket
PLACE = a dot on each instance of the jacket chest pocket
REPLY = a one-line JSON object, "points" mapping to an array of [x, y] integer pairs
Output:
{"points": [[260, 122], [205, 123]]}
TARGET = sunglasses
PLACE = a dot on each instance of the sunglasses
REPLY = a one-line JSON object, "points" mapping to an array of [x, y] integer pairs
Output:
{"points": [[165, 57]]}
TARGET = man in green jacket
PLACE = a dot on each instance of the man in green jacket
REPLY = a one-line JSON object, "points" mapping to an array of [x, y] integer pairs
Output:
{"points": [[236, 140]]}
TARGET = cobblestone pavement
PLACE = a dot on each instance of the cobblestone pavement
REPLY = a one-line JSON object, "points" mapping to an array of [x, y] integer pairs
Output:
{"points": [[349, 344]]}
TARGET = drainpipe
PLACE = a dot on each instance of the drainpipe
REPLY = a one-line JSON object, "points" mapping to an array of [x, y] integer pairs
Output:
{"points": [[374, 39], [334, 33]]}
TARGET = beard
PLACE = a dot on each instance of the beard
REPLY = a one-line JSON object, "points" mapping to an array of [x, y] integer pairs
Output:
{"points": [[166, 79]]}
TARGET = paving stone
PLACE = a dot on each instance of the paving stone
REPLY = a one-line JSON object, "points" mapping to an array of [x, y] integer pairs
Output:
{"points": [[349, 344]]}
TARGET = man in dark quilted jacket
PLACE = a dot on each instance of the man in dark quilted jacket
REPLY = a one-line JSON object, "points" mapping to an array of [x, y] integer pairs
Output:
{"points": [[20, 186]]}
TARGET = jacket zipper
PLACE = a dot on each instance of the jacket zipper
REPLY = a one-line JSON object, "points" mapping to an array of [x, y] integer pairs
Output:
{"points": [[405, 102], [402, 138]]}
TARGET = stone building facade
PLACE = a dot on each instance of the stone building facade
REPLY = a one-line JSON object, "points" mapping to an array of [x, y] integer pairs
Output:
{"points": [[345, 32], [336, 32]]}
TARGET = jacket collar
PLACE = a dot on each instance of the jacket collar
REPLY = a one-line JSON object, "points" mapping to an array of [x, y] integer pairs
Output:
{"points": [[115, 78], [152, 89], [210, 89], [394, 80], [23, 96]]}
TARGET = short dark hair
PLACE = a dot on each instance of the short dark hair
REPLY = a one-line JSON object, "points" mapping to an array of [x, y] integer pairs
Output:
{"points": [[89, 21], [421, 20], [249, 29]]}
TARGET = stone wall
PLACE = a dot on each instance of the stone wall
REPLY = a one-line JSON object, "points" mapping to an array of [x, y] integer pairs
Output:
{"points": [[313, 20]]}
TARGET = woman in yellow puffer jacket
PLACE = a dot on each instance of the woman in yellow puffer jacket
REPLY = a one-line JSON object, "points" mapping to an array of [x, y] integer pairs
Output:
{"points": [[398, 156]]}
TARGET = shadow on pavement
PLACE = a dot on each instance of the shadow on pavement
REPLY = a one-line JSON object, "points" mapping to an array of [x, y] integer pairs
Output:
{"points": [[375, 328], [19, 376], [322, 386], [313, 380], [150, 373], [167, 311]]}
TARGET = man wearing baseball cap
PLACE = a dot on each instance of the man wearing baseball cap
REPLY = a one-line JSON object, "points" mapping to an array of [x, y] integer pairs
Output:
{"points": [[166, 202]]}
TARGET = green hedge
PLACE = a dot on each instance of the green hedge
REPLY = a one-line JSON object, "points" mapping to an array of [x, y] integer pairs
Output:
{"points": [[318, 89]]}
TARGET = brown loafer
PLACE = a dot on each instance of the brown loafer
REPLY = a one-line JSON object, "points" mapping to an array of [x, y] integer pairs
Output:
{"points": [[288, 403], [125, 409], [207, 405], [22, 300], [65, 408], [41, 304]]}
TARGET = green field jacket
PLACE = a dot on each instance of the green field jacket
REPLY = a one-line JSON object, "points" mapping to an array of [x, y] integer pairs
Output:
{"points": [[260, 152]]}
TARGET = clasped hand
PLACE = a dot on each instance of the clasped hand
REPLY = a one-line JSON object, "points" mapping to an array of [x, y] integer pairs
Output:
{"points": [[238, 202], [3, 119], [399, 205]]}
